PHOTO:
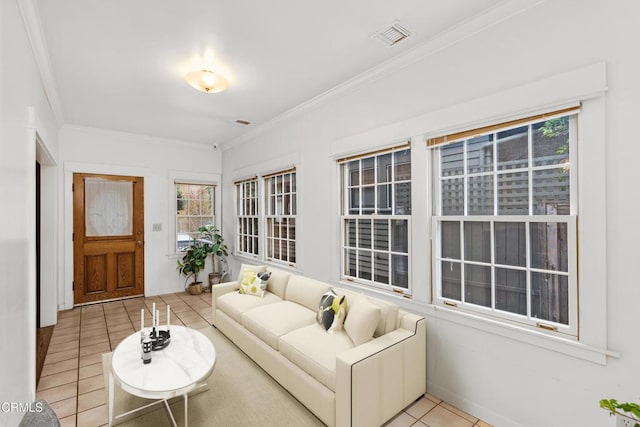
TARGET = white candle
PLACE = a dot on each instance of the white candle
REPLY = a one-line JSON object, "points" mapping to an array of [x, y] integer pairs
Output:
{"points": [[153, 314], [168, 315], [158, 319], [141, 319]]}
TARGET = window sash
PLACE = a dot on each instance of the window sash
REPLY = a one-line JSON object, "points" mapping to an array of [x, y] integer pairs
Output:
{"points": [[390, 186], [496, 173], [247, 217], [535, 167], [279, 248], [380, 195], [280, 214], [201, 219], [570, 329], [390, 253]]}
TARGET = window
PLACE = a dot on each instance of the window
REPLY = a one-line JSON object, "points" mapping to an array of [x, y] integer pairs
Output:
{"points": [[195, 207], [247, 216], [505, 221], [280, 202], [376, 218]]}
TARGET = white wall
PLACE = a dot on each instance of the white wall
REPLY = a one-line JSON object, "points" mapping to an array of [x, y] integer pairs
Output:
{"points": [[23, 112], [158, 161], [503, 380]]}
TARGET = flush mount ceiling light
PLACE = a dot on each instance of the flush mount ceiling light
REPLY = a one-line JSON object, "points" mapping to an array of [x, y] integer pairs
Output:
{"points": [[206, 81]]}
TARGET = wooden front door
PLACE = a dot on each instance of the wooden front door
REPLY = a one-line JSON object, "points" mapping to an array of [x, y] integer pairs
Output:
{"points": [[108, 237]]}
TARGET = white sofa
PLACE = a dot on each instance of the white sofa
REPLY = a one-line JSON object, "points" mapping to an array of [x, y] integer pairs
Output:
{"points": [[341, 383]]}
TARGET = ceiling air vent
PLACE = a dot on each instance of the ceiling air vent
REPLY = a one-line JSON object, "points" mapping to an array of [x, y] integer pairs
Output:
{"points": [[393, 34], [243, 122]]}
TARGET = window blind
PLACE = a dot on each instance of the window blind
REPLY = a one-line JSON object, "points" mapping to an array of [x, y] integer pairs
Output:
{"points": [[239, 181], [280, 172], [375, 153], [471, 133]]}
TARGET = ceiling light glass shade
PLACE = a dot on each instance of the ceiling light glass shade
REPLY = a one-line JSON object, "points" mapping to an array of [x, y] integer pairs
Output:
{"points": [[206, 81]]}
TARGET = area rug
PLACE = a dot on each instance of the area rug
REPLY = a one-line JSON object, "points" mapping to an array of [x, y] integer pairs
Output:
{"points": [[238, 393]]}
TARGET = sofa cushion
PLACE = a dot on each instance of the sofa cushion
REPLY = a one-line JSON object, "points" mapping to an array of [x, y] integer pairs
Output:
{"points": [[277, 283], [254, 268], [234, 303], [314, 351], [270, 322], [362, 320], [305, 291]]}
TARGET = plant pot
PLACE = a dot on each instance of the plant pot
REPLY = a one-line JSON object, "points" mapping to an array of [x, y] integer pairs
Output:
{"points": [[624, 421], [195, 288], [214, 278]]}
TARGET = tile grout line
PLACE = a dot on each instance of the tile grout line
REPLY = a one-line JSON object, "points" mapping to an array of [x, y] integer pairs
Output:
{"points": [[75, 415]]}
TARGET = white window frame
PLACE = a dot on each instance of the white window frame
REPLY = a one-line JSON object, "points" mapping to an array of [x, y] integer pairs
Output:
{"points": [[253, 217], [569, 330], [193, 234], [274, 216], [585, 85], [184, 177], [260, 171], [346, 216]]}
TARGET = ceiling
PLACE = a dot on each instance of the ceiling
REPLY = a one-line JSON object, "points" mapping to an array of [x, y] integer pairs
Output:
{"points": [[119, 64]]}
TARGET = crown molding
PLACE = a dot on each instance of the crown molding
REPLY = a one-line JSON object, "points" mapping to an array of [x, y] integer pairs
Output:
{"points": [[448, 38], [33, 27], [137, 137]]}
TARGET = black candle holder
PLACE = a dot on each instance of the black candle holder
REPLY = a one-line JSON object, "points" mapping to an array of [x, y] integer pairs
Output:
{"points": [[160, 339]]}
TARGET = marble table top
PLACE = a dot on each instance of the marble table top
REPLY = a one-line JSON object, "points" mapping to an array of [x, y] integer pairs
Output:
{"points": [[175, 370]]}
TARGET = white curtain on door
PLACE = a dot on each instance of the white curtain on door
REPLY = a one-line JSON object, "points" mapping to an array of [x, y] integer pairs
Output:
{"points": [[108, 207]]}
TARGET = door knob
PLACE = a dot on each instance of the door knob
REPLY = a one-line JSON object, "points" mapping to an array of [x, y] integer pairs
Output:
{"points": [[140, 242]]}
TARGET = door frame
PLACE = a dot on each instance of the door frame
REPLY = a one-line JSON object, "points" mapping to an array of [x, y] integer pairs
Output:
{"points": [[105, 169]]}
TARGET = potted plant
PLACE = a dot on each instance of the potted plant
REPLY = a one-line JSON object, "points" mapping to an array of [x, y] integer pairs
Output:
{"points": [[193, 261], [627, 414], [219, 250]]}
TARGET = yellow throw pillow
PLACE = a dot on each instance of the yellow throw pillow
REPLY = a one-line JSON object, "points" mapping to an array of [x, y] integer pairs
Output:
{"points": [[251, 285]]}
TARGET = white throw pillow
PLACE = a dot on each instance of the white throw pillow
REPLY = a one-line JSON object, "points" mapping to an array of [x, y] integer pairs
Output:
{"points": [[362, 320]]}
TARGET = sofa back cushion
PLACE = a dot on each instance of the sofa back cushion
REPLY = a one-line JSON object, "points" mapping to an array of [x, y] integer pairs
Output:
{"points": [[305, 291], [388, 316], [277, 283], [254, 268]]}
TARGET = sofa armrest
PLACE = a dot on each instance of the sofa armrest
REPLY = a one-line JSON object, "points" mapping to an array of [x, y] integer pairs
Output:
{"points": [[375, 380], [221, 289]]}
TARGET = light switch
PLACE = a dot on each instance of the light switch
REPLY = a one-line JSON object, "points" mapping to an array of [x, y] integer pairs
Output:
{"points": [[157, 227]]}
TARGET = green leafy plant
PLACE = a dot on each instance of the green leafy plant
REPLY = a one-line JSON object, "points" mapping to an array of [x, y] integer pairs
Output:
{"points": [[218, 247], [193, 260], [627, 409]]}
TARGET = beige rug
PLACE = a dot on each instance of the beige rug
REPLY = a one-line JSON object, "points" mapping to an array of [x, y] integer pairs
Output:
{"points": [[239, 393]]}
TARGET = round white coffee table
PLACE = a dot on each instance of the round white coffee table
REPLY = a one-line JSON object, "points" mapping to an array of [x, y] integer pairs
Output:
{"points": [[173, 371]]}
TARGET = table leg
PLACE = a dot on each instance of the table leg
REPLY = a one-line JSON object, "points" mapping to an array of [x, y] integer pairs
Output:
{"points": [[111, 393], [186, 409], [169, 412]]}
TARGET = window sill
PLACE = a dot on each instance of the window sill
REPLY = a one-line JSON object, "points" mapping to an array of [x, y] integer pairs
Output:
{"points": [[253, 259], [240, 256], [527, 336], [537, 338]]}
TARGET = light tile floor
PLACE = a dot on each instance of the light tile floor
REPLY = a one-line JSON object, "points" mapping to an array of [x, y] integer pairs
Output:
{"points": [[73, 384]]}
